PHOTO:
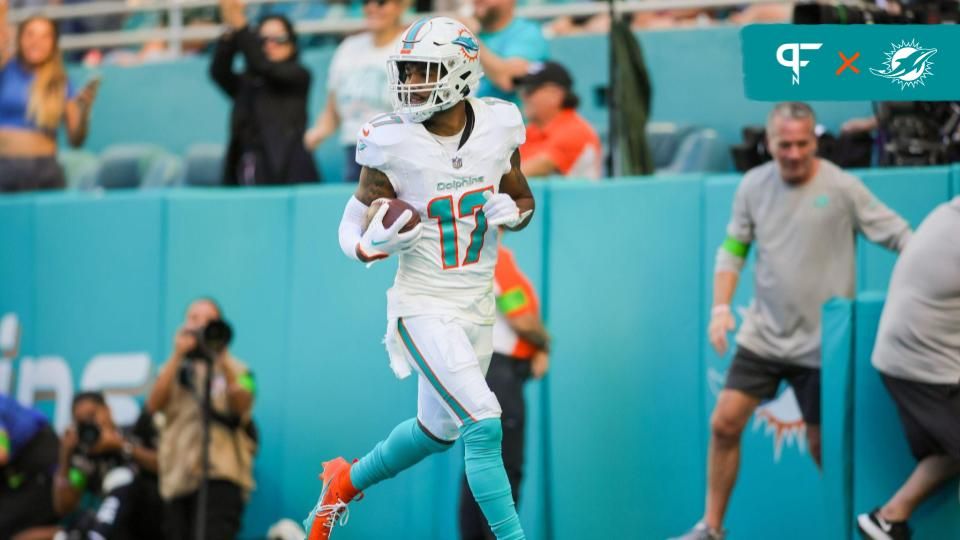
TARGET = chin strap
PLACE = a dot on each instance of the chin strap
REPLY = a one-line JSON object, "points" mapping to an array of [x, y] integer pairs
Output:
{"points": [[468, 129]]}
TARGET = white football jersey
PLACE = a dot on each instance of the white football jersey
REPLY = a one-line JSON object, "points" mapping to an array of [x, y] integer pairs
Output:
{"points": [[450, 270]]}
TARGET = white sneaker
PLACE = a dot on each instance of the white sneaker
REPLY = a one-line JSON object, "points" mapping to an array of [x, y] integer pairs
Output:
{"points": [[700, 531]]}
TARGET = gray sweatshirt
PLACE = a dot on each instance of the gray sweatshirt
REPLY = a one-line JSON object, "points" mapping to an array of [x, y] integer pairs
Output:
{"points": [[919, 334], [804, 238]]}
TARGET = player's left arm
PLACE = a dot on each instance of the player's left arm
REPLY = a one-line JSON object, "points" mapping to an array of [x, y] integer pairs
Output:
{"points": [[514, 184]]}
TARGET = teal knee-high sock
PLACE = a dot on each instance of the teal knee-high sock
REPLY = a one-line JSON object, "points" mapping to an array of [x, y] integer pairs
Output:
{"points": [[406, 445], [488, 479]]}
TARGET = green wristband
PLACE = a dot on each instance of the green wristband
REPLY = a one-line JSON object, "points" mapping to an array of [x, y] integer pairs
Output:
{"points": [[735, 247], [77, 479]]}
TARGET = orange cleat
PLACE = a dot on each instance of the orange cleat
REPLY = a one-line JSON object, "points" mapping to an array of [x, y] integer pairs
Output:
{"points": [[331, 508]]}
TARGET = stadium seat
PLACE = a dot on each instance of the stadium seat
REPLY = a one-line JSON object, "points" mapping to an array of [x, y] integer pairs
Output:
{"points": [[125, 165], [80, 168], [664, 139], [204, 165], [165, 170], [700, 151]]}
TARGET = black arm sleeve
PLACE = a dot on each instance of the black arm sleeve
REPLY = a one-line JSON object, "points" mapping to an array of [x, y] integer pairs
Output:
{"points": [[221, 67]]}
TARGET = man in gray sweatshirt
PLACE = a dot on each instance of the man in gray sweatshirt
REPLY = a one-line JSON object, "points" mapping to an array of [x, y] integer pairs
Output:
{"points": [[802, 214], [918, 355]]}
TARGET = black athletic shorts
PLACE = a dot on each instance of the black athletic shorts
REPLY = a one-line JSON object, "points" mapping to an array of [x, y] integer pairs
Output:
{"points": [[760, 377], [930, 414]]}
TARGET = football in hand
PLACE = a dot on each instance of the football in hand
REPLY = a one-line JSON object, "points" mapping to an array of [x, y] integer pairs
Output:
{"points": [[394, 209]]}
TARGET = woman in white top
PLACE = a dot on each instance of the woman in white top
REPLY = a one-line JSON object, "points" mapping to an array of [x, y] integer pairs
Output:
{"points": [[357, 82]]}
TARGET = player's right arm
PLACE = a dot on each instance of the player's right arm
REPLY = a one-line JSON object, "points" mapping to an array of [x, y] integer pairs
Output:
{"points": [[373, 185], [377, 241], [731, 257]]}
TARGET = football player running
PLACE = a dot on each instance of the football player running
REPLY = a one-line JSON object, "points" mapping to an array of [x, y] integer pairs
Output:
{"points": [[454, 158]]}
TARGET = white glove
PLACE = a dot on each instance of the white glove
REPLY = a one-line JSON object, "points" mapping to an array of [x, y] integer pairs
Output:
{"points": [[501, 209], [379, 242]]}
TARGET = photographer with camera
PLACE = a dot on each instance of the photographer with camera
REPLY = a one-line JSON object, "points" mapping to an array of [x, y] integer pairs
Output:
{"points": [[200, 345], [96, 458]]}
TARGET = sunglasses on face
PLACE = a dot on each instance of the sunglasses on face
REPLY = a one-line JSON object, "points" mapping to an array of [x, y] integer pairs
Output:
{"points": [[276, 40], [379, 3]]}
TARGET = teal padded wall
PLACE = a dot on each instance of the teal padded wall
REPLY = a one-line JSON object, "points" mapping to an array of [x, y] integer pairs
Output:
{"points": [[624, 269], [90, 291], [867, 451], [837, 409], [17, 266], [912, 193], [625, 408], [878, 474], [955, 173]]}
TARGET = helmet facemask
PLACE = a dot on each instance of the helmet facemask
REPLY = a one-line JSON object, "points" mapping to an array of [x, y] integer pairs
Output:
{"points": [[445, 83]]}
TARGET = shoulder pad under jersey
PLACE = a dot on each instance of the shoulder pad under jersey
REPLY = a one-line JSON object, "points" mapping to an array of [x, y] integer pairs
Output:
{"points": [[377, 136], [508, 116]]}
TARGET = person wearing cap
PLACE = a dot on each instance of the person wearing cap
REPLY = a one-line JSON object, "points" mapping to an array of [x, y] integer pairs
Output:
{"points": [[559, 140], [508, 45]]}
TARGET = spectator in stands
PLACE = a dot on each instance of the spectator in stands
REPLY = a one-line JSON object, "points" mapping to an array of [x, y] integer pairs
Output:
{"points": [[28, 458], [35, 98], [116, 469], [176, 395], [672, 18], [357, 82], [158, 50], [804, 213], [269, 115], [521, 347], [559, 141], [639, 20], [918, 355], [763, 13], [21, 4], [507, 46]]}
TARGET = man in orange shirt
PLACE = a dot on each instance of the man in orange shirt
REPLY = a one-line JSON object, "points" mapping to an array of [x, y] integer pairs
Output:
{"points": [[559, 141], [520, 349]]}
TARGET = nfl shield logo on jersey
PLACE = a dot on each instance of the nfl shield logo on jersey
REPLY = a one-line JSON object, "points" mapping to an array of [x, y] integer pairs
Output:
{"points": [[457, 162]]}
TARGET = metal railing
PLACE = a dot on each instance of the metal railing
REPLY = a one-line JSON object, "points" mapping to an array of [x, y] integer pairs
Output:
{"points": [[175, 33]]}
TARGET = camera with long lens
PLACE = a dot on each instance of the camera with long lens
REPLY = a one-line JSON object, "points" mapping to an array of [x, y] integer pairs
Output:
{"points": [[905, 12], [212, 340], [919, 132], [88, 435]]}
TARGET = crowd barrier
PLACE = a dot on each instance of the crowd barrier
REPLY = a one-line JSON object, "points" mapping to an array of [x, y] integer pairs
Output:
{"points": [[617, 432]]}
